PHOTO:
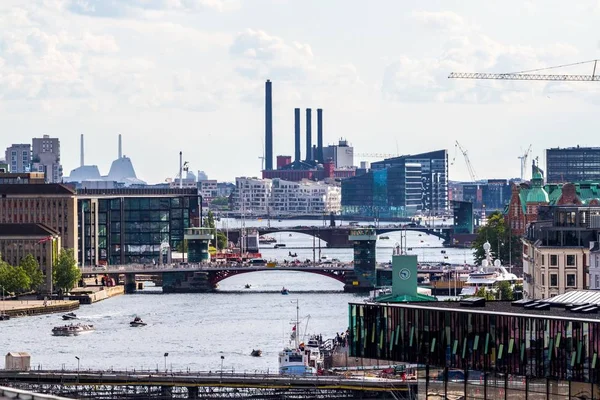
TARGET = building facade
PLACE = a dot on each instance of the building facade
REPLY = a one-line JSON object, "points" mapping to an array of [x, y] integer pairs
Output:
{"points": [[251, 196], [18, 157], [342, 154], [391, 192], [46, 158], [208, 189], [124, 226], [573, 164], [434, 177], [52, 204], [305, 198]]}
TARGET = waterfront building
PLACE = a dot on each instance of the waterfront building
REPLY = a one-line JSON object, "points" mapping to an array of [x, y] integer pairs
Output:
{"points": [[18, 157], [341, 154], [251, 196], [130, 225], [384, 193], [208, 189], [304, 198], [39, 240], [556, 250], [51, 204], [477, 349], [46, 158], [573, 164], [434, 177]]}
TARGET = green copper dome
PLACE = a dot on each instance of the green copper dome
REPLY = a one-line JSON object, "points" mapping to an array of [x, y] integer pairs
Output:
{"points": [[537, 194]]}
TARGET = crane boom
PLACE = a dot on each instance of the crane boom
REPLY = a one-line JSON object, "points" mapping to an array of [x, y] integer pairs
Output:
{"points": [[467, 161]]}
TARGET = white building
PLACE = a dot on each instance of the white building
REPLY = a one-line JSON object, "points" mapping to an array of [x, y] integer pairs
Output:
{"points": [[280, 197], [208, 189], [252, 196], [305, 197]]}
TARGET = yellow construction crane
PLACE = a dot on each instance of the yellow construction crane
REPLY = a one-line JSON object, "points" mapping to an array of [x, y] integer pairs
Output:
{"points": [[530, 76]]}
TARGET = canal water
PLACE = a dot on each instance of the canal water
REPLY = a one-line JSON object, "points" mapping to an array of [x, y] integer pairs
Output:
{"points": [[197, 329]]}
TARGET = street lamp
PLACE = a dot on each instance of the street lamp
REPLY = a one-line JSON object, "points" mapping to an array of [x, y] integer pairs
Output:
{"points": [[222, 358], [166, 355], [77, 364]]}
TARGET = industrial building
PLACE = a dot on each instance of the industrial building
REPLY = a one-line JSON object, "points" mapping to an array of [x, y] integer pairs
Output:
{"points": [[434, 177], [573, 164]]}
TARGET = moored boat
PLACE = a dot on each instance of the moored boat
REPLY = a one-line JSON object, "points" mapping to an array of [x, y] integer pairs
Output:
{"points": [[295, 359], [72, 330], [4, 317]]}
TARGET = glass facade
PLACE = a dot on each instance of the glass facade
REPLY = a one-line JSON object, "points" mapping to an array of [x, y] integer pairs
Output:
{"points": [[481, 353], [572, 164], [131, 229]]}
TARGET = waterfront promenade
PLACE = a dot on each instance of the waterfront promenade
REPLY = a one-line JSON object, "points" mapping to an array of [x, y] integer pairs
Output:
{"points": [[17, 308]]}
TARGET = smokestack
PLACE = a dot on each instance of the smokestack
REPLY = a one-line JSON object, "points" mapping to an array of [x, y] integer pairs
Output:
{"points": [[309, 155], [120, 148], [320, 135], [297, 134], [81, 159], [268, 127], [180, 169]]}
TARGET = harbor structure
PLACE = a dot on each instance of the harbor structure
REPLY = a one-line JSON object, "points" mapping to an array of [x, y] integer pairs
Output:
{"points": [[573, 164], [364, 242], [198, 240]]}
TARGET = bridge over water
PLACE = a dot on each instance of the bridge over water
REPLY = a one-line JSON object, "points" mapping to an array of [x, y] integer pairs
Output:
{"points": [[204, 385], [337, 236]]}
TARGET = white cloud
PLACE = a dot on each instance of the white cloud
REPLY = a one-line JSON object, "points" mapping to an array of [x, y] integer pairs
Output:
{"points": [[446, 20], [132, 8]]}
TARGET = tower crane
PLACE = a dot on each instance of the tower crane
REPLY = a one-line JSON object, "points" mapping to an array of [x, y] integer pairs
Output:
{"points": [[529, 76], [467, 161], [523, 159]]}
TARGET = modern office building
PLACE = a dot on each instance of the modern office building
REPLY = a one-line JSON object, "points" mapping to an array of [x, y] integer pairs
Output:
{"points": [[391, 192], [341, 154], [556, 250], [126, 225], [487, 350], [434, 177], [18, 157], [573, 164], [39, 240], [51, 204], [46, 158]]}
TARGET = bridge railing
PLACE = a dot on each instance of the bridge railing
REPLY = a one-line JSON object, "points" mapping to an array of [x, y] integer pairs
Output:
{"points": [[151, 268]]}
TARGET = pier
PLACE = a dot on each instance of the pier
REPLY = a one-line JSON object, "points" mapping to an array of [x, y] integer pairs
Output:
{"points": [[114, 385]]}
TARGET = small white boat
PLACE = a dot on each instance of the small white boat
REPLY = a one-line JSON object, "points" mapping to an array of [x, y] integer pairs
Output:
{"points": [[137, 321], [72, 330]]}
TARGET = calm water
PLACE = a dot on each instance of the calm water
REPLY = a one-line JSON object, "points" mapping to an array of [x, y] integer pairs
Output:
{"points": [[195, 329]]}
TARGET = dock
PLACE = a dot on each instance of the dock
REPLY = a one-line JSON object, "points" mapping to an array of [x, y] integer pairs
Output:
{"points": [[204, 385], [21, 308]]}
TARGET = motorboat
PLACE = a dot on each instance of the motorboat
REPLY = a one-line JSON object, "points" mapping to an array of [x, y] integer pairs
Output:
{"points": [[488, 276], [4, 317], [384, 237], [137, 321], [69, 316], [72, 330], [256, 353], [279, 245], [247, 286], [266, 240], [284, 291]]}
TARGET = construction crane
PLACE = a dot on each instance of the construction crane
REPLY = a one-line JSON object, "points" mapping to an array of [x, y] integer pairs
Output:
{"points": [[523, 159], [529, 76], [467, 161]]}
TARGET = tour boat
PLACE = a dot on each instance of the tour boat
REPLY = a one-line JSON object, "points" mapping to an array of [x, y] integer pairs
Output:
{"points": [[72, 330], [137, 321], [266, 240], [69, 316]]}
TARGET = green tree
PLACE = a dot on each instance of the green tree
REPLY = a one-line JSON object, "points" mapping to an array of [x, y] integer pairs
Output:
{"points": [[13, 279], [32, 268], [65, 271], [220, 202], [505, 291], [485, 294], [209, 222], [505, 246]]}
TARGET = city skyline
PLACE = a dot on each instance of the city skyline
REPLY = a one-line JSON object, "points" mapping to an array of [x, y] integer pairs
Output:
{"points": [[140, 69]]}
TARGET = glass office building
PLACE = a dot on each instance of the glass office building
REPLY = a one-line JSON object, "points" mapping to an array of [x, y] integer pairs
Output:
{"points": [[386, 193], [123, 226], [499, 350], [572, 164]]}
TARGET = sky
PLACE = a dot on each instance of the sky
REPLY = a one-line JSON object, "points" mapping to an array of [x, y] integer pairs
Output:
{"points": [[188, 75]]}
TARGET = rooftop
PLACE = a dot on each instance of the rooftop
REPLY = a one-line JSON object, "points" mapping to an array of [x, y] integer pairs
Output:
{"points": [[26, 230], [33, 189]]}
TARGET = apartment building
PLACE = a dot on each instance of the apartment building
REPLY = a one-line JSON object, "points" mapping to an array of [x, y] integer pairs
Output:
{"points": [[46, 158], [305, 197], [53, 205], [252, 196], [18, 157]]}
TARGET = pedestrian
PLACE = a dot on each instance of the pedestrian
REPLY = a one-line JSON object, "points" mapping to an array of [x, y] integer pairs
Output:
{"points": [[96, 281]]}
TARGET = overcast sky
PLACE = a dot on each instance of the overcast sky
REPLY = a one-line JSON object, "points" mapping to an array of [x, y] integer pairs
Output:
{"points": [[188, 75]]}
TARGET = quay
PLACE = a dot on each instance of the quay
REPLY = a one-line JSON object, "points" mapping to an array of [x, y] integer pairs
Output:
{"points": [[204, 385], [20, 308]]}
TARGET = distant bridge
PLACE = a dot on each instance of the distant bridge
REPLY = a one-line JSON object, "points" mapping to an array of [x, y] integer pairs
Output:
{"points": [[337, 237], [204, 385]]}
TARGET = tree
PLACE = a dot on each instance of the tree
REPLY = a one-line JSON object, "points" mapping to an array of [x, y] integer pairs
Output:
{"points": [[505, 291], [209, 222], [65, 271], [505, 246], [13, 279], [485, 294], [32, 268]]}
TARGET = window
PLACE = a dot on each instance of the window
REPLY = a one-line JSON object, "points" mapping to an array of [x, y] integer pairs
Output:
{"points": [[543, 279], [597, 281], [571, 259], [553, 260], [571, 281], [543, 259], [553, 280]]}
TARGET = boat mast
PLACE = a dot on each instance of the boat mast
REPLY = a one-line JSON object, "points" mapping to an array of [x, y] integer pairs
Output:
{"points": [[297, 324]]}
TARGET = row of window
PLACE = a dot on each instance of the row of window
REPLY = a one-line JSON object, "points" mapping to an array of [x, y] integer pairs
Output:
{"points": [[571, 280], [570, 260]]}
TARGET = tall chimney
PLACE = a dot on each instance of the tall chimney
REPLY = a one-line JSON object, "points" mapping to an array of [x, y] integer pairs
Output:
{"points": [[81, 159], [268, 127], [309, 155], [297, 134], [320, 135], [120, 148]]}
